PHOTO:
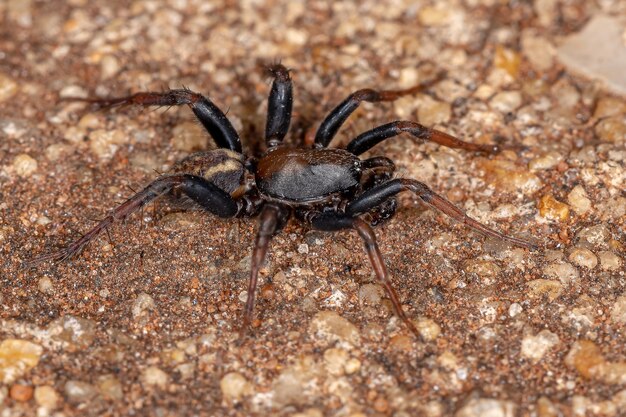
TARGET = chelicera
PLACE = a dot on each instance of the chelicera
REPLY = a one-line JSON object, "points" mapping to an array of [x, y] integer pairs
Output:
{"points": [[329, 189]]}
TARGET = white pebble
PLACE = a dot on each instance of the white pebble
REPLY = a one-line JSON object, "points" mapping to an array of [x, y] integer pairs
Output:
{"points": [[578, 200], [583, 257], [234, 387], [47, 397], [534, 347], [24, 165], [618, 311], [515, 309], [45, 285], [506, 101], [609, 261], [154, 376]]}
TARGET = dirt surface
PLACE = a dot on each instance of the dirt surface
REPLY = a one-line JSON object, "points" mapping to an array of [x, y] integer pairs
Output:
{"points": [[146, 323]]}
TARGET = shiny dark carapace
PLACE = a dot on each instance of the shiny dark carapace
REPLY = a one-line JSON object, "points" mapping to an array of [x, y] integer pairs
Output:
{"points": [[301, 174]]}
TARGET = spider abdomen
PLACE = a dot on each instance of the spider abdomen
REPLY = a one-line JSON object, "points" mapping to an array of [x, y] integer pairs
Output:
{"points": [[305, 175], [222, 167]]}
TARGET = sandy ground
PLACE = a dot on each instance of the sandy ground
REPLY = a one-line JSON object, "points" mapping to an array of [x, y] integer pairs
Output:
{"points": [[146, 323]]}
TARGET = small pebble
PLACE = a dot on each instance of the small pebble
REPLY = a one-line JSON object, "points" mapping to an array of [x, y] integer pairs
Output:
{"points": [[77, 332], [153, 376], [545, 287], [24, 165], [45, 285], [546, 161], [401, 343], [507, 60], [104, 143], [583, 257], [234, 387], [47, 397], [539, 51], [612, 129], [56, 151], [506, 101], [352, 366], [578, 200], [371, 294], [17, 357], [609, 261], [584, 355], [515, 309], [534, 347], [618, 311], [381, 404], [109, 66], [78, 392], [335, 360], [609, 106], [596, 235], [8, 87], [110, 387], [507, 176], [434, 16], [428, 328], [20, 392], [551, 208], [303, 248], [331, 326], [563, 271], [545, 408], [143, 305], [487, 407]]}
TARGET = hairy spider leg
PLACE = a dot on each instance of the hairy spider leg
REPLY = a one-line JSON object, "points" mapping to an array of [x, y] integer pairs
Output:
{"points": [[336, 118], [203, 192], [279, 106], [378, 194], [333, 221], [211, 117], [369, 139], [271, 220]]}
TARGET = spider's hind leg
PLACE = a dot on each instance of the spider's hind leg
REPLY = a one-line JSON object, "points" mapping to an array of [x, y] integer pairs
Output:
{"points": [[379, 194], [332, 221]]}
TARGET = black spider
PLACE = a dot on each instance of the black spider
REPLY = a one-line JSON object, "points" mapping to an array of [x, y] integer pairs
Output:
{"points": [[329, 189]]}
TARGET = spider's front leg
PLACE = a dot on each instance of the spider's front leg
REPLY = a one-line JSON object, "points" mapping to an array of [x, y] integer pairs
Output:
{"points": [[338, 116], [332, 221], [380, 193], [203, 192], [373, 137], [211, 117]]}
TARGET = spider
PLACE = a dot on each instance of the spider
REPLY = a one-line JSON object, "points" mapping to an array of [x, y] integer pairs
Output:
{"points": [[329, 189]]}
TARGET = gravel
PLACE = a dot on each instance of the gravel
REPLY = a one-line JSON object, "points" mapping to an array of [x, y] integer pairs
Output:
{"points": [[146, 321]]}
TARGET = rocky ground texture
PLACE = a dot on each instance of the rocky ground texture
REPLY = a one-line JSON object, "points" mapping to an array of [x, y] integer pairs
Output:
{"points": [[147, 322]]}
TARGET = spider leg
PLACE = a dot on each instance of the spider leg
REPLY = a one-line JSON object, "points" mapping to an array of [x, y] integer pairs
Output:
{"points": [[211, 117], [203, 192], [279, 106], [333, 221], [380, 193], [271, 219], [336, 118], [367, 140]]}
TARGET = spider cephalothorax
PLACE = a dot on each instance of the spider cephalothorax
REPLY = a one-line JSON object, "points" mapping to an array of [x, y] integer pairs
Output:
{"points": [[330, 189]]}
